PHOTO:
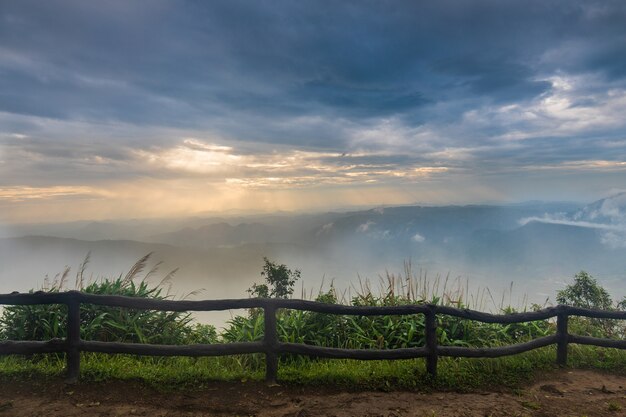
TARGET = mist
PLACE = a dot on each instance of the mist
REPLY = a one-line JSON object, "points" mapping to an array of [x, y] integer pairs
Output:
{"points": [[536, 247]]}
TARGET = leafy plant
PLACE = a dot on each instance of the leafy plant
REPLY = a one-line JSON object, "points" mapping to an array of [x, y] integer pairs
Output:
{"points": [[587, 293], [101, 323], [379, 332], [279, 281]]}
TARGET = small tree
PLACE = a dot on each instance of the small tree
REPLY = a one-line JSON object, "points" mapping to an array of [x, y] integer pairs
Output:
{"points": [[585, 292], [279, 281]]}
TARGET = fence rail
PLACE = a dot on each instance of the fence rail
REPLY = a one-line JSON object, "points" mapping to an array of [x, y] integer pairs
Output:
{"points": [[272, 347]]}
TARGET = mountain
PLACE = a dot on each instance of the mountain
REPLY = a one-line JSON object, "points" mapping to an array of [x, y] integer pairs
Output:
{"points": [[399, 224], [607, 216], [425, 224], [538, 245], [607, 211]]}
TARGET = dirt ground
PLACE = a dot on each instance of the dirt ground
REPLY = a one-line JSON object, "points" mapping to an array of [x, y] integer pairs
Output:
{"points": [[561, 393]]}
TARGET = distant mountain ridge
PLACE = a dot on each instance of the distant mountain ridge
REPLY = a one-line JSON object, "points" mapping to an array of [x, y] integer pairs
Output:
{"points": [[402, 223], [610, 210], [537, 243], [222, 235]]}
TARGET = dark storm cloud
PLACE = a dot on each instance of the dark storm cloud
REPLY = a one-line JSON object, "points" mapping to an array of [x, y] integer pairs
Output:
{"points": [[611, 58], [502, 80], [177, 63]]}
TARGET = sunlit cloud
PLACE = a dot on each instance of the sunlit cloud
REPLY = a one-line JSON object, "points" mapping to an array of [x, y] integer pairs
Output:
{"points": [[193, 156], [21, 194], [281, 168]]}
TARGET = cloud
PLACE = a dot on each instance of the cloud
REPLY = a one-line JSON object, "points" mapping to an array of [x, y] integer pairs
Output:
{"points": [[283, 167], [364, 227], [203, 64], [506, 81], [607, 216], [418, 238], [325, 229], [587, 225], [20, 194], [614, 240], [610, 210], [431, 100]]}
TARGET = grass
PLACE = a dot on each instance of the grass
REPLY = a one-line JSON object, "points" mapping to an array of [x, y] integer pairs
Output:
{"points": [[192, 373], [165, 373], [613, 406]]}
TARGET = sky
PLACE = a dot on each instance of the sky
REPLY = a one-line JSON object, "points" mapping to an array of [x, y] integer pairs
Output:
{"points": [[131, 109]]}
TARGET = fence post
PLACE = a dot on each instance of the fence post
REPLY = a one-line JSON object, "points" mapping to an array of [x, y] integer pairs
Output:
{"points": [[270, 340], [73, 340], [562, 336], [431, 340]]}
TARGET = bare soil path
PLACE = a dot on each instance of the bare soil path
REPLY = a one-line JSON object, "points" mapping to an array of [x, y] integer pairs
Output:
{"points": [[575, 393]]}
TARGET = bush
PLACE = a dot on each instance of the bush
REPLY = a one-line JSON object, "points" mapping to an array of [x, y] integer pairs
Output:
{"points": [[107, 324], [372, 332], [585, 292]]}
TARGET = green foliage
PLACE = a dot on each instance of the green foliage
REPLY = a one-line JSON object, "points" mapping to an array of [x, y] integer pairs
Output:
{"points": [[279, 281], [246, 329], [180, 373], [381, 332], [585, 292], [107, 324], [357, 332]]}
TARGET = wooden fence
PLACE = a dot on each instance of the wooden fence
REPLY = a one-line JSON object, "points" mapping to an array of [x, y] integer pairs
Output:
{"points": [[272, 347]]}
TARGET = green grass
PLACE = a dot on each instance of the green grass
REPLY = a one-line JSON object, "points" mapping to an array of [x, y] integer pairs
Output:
{"points": [[167, 373], [192, 373]]}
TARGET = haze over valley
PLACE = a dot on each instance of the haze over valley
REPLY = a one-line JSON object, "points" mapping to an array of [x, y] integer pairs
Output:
{"points": [[537, 246]]}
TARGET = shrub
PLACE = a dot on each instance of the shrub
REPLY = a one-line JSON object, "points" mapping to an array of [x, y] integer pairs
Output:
{"points": [[587, 293], [374, 332], [107, 324]]}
